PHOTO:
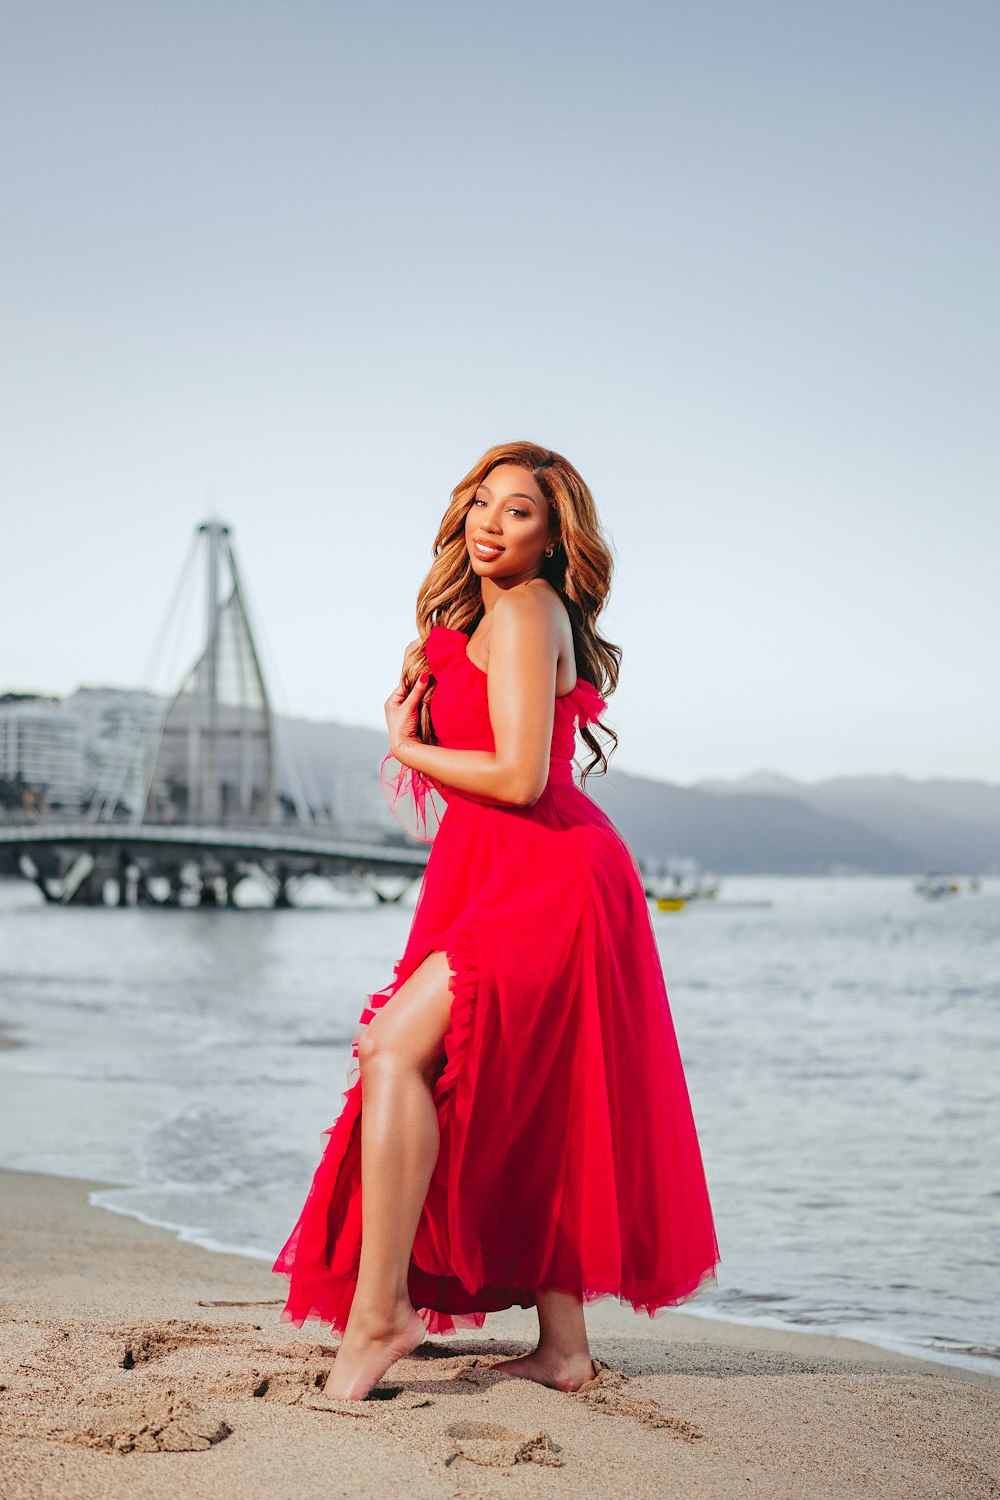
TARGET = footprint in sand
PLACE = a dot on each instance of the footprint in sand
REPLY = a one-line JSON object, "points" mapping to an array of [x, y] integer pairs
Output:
{"points": [[167, 1425], [500, 1447], [144, 1345], [305, 1388], [287, 1387], [610, 1392]]}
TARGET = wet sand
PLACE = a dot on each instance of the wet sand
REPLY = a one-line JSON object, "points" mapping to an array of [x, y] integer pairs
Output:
{"points": [[132, 1364]]}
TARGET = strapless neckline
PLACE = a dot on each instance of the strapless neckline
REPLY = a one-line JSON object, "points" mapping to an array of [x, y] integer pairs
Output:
{"points": [[454, 630]]}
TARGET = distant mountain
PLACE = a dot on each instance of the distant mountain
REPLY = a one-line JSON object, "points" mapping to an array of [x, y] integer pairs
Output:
{"points": [[744, 833], [945, 824], [766, 823]]}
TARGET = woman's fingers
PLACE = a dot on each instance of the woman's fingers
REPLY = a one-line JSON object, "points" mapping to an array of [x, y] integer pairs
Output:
{"points": [[401, 694]]}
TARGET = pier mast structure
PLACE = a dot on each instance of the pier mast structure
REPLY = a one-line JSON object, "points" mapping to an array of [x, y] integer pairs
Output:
{"points": [[214, 764], [210, 815]]}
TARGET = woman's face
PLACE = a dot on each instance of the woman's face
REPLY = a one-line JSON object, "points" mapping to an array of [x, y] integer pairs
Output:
{"points": [[507, 525]]}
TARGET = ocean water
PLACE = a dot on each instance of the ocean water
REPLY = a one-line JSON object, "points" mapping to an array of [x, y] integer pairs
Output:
{"points": [[842, 1050]]}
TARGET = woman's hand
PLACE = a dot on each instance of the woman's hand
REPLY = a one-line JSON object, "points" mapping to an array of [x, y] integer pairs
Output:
{"points": [[402, 711]]}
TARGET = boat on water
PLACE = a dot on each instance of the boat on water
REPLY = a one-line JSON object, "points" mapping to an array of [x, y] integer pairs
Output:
{"points": [[677, 884], [936, 885]]}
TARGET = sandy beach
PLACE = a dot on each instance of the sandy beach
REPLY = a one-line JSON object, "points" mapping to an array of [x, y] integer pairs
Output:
{"points": [[133, 1364]]}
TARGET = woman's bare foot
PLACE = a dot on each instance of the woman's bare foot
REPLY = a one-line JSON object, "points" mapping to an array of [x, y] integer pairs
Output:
{"points": [[368, 1349], [561, 1372]]}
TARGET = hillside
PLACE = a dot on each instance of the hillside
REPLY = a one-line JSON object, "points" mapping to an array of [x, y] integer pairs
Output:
{"points": [[764, 824]]}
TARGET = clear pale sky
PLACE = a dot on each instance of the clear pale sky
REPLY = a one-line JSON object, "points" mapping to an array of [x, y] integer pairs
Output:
{"points": [[301, 263]]}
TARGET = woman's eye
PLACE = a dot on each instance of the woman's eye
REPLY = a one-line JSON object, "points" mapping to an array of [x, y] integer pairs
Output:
{"points": [[512, 508]]}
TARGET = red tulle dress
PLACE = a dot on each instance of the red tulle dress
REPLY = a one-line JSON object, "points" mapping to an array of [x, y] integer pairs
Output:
{"points": [[569, 1158]]}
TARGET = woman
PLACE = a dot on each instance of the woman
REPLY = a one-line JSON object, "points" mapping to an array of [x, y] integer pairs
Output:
{"points": [[526, 1137]]}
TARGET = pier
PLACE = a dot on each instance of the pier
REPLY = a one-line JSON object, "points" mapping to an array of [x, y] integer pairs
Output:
{"points": [[193, 808]]}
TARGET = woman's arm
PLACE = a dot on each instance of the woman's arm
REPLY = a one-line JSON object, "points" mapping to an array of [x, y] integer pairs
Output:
{"points": [[521, 684]]}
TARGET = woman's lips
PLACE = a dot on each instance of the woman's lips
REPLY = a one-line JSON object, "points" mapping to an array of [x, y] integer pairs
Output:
{"points": [[486, 553]]}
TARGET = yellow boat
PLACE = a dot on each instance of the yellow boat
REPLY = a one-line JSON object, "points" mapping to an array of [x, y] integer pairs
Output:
{"points": [[671, 903]]}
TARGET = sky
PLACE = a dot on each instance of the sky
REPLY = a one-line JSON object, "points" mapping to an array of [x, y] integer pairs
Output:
{"points": [[297, 265]]}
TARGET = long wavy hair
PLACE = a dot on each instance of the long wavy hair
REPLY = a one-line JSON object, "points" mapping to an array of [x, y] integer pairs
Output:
{"points": [[580, 569]]}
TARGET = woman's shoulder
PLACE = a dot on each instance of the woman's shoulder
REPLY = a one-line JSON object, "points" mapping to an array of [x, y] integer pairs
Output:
{"points": [[537, 606], [535, 598]]}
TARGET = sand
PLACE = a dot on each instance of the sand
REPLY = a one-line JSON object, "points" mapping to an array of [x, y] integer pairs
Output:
{"points": [[132, 1364]]}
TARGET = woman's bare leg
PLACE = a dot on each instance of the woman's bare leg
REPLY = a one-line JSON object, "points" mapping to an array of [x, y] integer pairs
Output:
{"points": [[562, 1358], [398, 1054]]}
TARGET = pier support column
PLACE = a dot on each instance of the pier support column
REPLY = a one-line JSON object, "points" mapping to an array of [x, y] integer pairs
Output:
{"points": [[282, 900], [233, 875]]}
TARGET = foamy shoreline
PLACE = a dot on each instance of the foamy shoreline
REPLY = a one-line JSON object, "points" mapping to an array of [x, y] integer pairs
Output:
{"points": [[701, 1308], [135, 1362], [698, 1308]]}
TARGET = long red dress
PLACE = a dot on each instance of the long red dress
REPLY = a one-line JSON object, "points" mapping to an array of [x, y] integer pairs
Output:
{"points": [[569, 1157]]}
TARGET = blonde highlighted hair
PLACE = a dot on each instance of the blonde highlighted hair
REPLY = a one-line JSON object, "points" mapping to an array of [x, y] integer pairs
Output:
{"points": [[580, 570]]}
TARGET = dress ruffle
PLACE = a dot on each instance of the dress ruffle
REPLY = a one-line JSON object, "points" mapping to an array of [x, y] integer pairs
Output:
{"points": [[444, 644], [322, 1256], [415, 801], [589, 703]]}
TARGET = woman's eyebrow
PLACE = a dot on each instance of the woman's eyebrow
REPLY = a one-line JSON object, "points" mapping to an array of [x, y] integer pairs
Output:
{"points": [[516, 495]]}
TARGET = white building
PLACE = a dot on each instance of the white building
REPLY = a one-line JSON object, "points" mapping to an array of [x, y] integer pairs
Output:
{"points": [[41, 744]]}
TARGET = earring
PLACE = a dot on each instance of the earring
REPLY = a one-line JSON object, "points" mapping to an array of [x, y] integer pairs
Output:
{"points": [[549, 551]]}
